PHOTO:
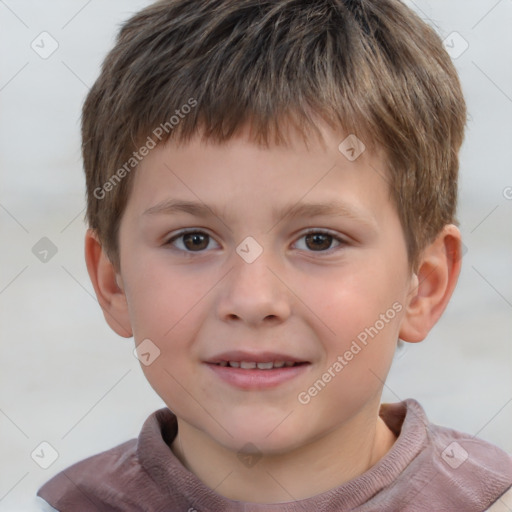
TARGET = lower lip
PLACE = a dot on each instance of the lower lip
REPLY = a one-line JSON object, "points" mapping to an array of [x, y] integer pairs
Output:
{"points": [[257, 379]]}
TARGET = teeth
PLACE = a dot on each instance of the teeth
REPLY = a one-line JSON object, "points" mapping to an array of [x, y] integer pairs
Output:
{"points": [[251, 365], [265, 366]]}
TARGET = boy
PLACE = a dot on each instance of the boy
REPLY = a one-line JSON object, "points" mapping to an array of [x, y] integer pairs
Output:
{"points": [[225, 143]]}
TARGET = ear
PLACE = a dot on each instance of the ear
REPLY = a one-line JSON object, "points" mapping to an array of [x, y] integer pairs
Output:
{"points": [[433, 284], [108, 286]]}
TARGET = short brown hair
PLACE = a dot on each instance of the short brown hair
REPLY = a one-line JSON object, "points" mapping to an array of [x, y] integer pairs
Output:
{"points": [[367, 67]]}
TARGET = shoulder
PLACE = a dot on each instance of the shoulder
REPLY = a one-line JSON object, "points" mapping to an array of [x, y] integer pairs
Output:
{"points": [[469, 455], [503, 504], [117, 477], [94, 478], [446, 469], [470, 469]]}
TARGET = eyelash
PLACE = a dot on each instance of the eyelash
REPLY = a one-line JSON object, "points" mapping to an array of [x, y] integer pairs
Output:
{"points": [[309, 232]]}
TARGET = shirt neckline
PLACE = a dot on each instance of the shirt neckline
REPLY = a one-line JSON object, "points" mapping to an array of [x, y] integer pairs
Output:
{"points": [[406, 419]]}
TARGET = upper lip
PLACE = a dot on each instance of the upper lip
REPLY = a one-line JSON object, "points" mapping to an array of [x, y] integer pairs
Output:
{"points": [[259, 357]]}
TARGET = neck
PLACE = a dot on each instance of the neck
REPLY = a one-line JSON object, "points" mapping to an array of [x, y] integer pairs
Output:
{"points": [[337, 457]]}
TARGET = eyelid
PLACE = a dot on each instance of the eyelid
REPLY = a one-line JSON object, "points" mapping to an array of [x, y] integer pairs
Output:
{"points": [[323, 231]]}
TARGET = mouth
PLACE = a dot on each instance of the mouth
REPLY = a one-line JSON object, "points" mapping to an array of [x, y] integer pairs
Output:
{"points": [[256, 371], [253, 365]]}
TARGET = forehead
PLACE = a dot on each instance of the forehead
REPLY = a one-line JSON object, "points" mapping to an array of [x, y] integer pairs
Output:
{"points": [[300, 179]]}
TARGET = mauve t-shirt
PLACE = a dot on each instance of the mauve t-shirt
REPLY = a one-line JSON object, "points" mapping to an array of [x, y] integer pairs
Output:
{"points": [[428, 469]]}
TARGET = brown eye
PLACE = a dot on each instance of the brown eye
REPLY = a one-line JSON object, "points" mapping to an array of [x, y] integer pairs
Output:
{"points": [[320, 241], [190, 241], [195, 241]]}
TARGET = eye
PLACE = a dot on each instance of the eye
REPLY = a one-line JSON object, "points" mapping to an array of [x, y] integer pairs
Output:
{"points": [[320, 241], [198, 241], [192, 241]]}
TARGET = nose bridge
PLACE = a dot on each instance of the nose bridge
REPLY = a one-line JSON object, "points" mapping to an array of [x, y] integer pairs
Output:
{"points": [[253, 292]]}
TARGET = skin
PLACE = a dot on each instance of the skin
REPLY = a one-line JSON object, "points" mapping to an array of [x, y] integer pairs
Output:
{"points": [[295, 298]]}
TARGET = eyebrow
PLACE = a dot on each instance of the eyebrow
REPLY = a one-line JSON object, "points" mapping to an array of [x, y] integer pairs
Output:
{"points": [[295, 210]]}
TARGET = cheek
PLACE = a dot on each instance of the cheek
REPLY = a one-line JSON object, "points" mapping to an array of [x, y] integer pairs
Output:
{"points": [[167, 306], [363, 313], [353, 300], [164, 299]]}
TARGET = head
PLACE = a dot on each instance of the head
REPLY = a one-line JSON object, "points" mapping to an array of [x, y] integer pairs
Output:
{"points": [[244, 105]]}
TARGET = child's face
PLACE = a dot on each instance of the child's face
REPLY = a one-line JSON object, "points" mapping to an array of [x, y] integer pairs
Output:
{"points": [[336, 305]]}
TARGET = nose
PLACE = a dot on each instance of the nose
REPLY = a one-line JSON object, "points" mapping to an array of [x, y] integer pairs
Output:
{"points": [[254, 293]]}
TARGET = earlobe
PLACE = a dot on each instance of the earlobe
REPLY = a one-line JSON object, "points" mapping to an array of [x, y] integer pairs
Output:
{"points": [[108, 286], [433, 285]]}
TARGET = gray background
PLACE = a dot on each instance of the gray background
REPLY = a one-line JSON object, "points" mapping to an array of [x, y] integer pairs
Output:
{"points": [[67, 379]]}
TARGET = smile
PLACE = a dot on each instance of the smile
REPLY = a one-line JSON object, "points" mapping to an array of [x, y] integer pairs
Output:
{"points": [[251, 365], [250, 375]]}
